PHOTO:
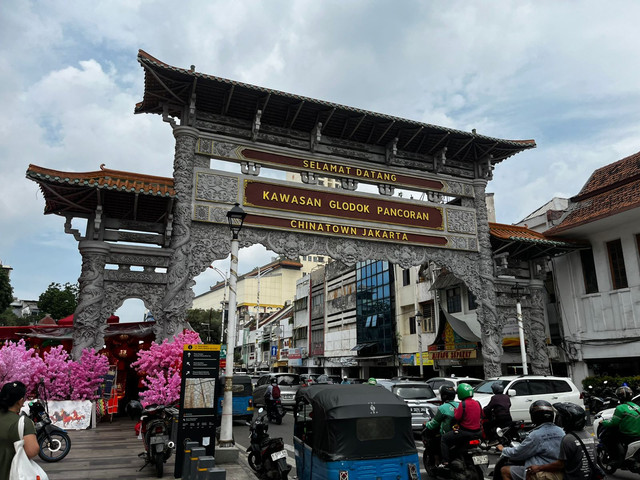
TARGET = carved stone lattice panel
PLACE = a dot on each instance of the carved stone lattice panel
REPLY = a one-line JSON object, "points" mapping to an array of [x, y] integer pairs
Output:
{"points": [[460, 221], [216, 188], [133, 276], [138, 259]]}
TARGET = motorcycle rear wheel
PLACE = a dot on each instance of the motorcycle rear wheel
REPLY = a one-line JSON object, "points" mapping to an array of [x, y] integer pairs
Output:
{"points": [[54, 447], [159, 464], [254, 461], [604, 461]]}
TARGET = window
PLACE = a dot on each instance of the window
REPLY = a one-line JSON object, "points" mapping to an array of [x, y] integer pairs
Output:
{"points": [[472, 300], [589, 271], [454, 301], [521, 388], [406, 277], [616, 265], [412, 325]]}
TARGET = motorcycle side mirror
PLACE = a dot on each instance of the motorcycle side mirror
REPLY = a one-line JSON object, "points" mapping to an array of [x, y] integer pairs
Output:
{"points": [[499, 432], [260, 410]]}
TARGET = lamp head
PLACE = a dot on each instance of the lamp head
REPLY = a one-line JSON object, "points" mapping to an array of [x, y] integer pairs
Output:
{"points": [[235, 217], [517, 291]]}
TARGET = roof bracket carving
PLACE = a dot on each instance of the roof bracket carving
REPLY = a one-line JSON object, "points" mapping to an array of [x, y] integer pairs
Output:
{"points": [[255, 128], [385, 189], [439, 160], [315, 136], [168, 230], [349, 184], [250, 168], [310, 178], [97, 222], [166, 117], [73, 231], [434, 197], [485, 167], [392, 151]]}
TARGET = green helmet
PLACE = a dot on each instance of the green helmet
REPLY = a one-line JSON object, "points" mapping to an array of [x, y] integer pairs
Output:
{"points": [[372, 381], [465, 391]]}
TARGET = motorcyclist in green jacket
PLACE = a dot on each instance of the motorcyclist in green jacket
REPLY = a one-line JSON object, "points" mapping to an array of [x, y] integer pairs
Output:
{"points": [[623, 427], [443, 419], [441, 423]]}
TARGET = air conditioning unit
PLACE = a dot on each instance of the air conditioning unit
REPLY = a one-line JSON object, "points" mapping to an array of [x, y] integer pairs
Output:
{"points": [[553, 352]]}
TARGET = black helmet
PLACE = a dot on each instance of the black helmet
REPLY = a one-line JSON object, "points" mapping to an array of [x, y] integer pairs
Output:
{"points": [[541, 412], [274, 380], [447, 393], [624, 393], [134, 409], [497, 387], [570, 417]]}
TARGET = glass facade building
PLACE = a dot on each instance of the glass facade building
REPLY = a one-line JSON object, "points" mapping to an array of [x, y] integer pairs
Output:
{"points": [[375, 308]]}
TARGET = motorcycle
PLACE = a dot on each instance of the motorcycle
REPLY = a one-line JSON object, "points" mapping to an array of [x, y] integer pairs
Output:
{"points": [[276, 412], [266, 455], [54, 441], [155, 427], [467, 461], [511, 436], [631, 460]]}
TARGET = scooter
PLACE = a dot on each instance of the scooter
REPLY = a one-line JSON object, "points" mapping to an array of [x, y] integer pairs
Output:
{"points": [[276, 412], [631, 460], [54, 441], [266, 455], [467, 461], [155, 428]]}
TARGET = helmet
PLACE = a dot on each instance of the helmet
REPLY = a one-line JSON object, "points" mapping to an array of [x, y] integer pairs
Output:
{"points": [[465, 391], [541, 412], [624, 393], [134, 409], [497, 387], [447, 393], [274, 380], [570, 417], [372, 381]]}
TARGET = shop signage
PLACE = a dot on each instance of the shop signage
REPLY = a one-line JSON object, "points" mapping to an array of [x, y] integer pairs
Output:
{"points": [[426, 360], [197, 418], [295, 353], [452, 354]]}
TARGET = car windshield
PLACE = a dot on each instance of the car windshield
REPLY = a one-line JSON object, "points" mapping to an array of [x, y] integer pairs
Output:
{"points": [[414, 391], [485, 387]]}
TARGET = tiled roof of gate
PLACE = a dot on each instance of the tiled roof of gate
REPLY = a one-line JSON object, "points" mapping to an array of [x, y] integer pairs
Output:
{"points": [[524, 234], [610, 190], [106, 179]]}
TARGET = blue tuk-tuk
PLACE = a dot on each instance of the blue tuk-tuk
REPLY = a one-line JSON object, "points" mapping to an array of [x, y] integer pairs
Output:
{"points": [[242, 396], [353, 432]]}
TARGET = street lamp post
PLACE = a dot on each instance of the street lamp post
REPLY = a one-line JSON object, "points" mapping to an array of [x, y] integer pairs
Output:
{"points": [[419, 328], [517, 291], [235, 216], [224, 299]]}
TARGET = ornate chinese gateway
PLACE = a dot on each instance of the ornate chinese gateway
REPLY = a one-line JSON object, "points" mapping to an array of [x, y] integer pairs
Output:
{"points": [[149, 237]]}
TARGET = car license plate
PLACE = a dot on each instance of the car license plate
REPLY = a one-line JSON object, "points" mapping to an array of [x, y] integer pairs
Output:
{"points": [[480, 459], [159, 439], [288, 396], [278, 455]]}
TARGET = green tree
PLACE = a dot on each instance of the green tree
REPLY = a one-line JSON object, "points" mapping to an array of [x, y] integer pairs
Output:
{"points": [[59, 301], [206, 323], [6, 290]]}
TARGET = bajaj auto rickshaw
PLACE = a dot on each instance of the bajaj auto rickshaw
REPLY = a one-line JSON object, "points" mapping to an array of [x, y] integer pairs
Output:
{"points": [[353, 432], [242, 397]]}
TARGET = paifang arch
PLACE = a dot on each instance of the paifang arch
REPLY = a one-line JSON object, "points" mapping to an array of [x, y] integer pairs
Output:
{"points": [[215, 118]]}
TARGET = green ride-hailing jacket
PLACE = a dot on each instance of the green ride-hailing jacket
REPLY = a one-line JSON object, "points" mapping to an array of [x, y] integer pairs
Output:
{"points": [[627, 418], [444, 418]]}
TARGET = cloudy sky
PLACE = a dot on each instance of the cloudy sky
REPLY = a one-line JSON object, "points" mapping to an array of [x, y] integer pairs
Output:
{"points": [[562, 73]]}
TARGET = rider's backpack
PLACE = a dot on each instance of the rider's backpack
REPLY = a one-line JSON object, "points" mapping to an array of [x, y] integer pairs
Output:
{"points": [[275, 392]]}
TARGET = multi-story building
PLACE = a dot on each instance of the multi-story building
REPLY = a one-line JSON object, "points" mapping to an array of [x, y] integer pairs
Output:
{"points": [[598, 287]]}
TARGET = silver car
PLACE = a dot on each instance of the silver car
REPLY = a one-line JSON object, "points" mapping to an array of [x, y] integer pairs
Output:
{"points": [[419, 396], [289, 384]]}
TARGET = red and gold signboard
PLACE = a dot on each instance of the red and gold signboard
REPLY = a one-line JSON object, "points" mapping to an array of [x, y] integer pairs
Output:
{"points": [[452, 354], [328, 203]]}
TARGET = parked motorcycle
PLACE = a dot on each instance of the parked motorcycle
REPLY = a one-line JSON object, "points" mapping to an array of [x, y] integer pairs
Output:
{"points": [[266, 455], [54, 441], [155, 427], [275, 412], [467, 461], [631, 458]]}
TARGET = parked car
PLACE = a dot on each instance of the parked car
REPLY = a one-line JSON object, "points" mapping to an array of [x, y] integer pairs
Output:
{"points": [[523, 390], [324, 378], [436, 382], [289, 384], [309, 378], [419, 396]]}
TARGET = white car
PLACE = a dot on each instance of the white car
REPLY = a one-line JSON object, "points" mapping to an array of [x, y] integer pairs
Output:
{"points": [[523, 390]]}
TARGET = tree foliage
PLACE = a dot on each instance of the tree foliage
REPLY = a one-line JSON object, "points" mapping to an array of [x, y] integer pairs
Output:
{"points": [[206, 323], [59, 301], [6, 290]]}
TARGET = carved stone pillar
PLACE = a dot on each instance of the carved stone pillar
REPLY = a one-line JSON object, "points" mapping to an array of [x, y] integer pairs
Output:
{"points": [[486, 297], [178, 295], [537, 346], [88, 324]]}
